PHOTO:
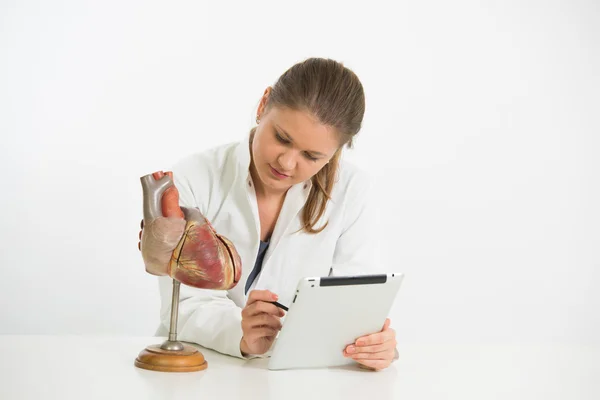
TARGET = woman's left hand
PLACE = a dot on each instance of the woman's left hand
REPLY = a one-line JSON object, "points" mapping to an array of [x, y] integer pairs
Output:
{"points": [[375, 351]]}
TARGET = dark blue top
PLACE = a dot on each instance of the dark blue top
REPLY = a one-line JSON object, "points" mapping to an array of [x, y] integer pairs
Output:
{"points": [[257, 265]]}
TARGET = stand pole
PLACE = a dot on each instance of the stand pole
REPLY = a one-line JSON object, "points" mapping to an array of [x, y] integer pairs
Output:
{"points": [[172, 355], [172, 343]]}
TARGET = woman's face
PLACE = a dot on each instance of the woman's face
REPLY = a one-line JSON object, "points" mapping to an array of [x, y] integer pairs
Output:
{"points": [[290, 147]]}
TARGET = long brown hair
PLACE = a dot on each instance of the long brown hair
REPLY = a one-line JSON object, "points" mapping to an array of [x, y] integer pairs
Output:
{"points": [[334, 95]]}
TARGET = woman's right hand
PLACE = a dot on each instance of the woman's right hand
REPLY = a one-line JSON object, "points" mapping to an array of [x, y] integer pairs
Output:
{"points": [[260, 322]]}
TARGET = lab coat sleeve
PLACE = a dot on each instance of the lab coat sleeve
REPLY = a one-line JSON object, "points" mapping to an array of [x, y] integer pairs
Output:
{"points": [[206, 317]]}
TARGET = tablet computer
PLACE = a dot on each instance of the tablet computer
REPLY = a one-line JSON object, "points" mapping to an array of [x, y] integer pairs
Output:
{"points": [[329, 313]]}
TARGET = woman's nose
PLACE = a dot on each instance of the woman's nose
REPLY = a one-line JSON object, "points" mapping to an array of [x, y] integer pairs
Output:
{"points": [[287, 160]]}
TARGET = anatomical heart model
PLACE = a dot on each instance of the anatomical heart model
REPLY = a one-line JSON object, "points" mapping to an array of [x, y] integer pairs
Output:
{"points": [[181, 243]]}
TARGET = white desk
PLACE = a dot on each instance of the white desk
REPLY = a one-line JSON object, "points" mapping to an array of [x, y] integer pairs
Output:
{"points": [[82, 368]]}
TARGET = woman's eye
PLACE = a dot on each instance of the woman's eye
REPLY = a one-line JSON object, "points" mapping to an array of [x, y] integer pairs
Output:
{"points": [[280, 138], [311, 158], [283, 140]]}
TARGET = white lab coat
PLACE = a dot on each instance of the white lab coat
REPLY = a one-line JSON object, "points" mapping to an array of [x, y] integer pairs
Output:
{"points": [[219, 183]]}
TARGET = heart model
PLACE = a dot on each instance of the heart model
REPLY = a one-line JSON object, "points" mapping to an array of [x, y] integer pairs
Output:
{"points": [[181, 243]]}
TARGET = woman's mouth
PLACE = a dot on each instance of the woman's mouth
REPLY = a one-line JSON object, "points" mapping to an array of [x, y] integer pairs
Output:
{"points": [[277, 174]]}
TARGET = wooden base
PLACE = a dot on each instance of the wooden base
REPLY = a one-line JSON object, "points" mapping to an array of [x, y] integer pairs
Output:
{"points": [[156, 359]]}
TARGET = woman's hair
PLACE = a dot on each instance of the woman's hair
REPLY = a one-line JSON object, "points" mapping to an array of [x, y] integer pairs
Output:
{"points": [[334, 95]]}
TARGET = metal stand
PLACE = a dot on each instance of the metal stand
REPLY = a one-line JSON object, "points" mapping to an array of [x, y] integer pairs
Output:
{"points": [[172, 343], [172, 355]]}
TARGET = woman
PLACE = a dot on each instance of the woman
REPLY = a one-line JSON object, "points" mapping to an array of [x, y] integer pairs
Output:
{"points": [[290, 206]]}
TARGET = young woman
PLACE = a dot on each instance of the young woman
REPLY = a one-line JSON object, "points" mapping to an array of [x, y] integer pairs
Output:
{"points": [[292, 208]]}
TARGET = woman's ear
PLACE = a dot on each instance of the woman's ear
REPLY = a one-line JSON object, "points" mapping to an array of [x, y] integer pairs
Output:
{"points": [[263, 102]]}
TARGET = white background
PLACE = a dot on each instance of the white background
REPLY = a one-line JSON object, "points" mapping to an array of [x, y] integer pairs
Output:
{"points": [[482, 128]]}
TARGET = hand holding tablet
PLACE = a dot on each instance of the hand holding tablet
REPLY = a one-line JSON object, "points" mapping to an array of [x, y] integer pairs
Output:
{"points": [[375, 351]]}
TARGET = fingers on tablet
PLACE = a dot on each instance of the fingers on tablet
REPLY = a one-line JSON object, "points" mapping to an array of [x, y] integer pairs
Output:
{"points": [[261, 295], [376, 348], [376, 339], [261, 325], [265, 331], [264, 307], [370, 340], [386, 325], [266, 320]]}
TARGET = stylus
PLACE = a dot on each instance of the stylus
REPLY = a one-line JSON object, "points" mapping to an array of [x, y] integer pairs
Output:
{"points": [[280, 305]]}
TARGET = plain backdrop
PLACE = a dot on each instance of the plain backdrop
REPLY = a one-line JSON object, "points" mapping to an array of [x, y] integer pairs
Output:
{"points": [[481, 131]]}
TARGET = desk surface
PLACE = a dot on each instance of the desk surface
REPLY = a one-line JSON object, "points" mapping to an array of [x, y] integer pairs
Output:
{"points": [[82, 367]]}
